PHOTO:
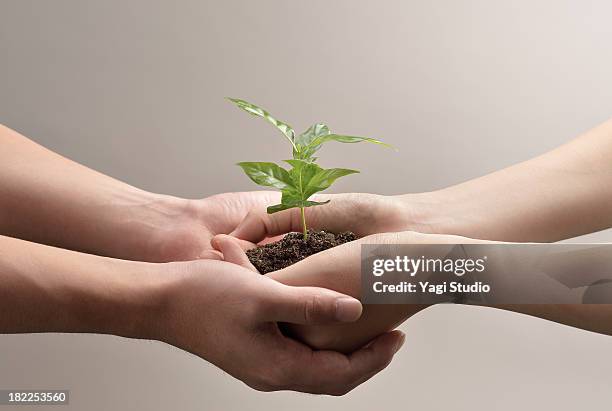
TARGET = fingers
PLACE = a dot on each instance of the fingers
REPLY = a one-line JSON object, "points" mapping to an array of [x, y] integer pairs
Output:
{"points": [[210, 255], [306, 305], [297, 305], [242, 244], [361, 213], [233, 250], [258, 225], [329, 372], [376, 356]]}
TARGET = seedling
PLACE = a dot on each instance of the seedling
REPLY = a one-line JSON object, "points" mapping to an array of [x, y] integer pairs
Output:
{"points": [[305, 177]]}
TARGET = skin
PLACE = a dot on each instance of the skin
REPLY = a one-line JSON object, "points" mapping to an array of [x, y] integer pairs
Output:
{"points": [[49, 199], [218, 311], [558, 195], [209, 308], [343, 275]]}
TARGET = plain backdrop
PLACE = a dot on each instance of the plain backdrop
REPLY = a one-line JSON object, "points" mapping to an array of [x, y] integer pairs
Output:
{"points": [[136, 89]]}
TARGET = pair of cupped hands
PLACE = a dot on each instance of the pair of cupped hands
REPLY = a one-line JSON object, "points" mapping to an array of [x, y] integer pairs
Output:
{"points": [[240, 313]]}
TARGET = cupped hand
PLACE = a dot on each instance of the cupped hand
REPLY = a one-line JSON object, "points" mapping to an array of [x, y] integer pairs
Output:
{"points": [[187, 227], [185, 231], [229, 316], [339, 269], [361, 213]]}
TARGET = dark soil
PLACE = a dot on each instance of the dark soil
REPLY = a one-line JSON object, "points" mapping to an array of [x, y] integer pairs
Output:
{"points": [[292, 248]]}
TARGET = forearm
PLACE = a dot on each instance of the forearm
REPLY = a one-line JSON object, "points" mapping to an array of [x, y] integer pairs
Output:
{"points": [[561, 194], [46, 289], [340, 269], [49, 199]]}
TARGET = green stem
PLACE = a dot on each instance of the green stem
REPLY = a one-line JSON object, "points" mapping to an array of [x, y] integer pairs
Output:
{"points": [[304, 228]]}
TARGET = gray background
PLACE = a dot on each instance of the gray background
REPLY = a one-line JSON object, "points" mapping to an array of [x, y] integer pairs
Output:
{"points": [[135, 89]]}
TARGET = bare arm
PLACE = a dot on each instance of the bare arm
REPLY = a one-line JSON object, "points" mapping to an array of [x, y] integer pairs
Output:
{"points": [[339, 269], [561, 194], [216, 310], [49, 199], [46, 289]]}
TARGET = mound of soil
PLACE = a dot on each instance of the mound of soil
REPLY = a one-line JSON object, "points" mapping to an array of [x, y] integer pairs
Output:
{"points": [[292, 248]]}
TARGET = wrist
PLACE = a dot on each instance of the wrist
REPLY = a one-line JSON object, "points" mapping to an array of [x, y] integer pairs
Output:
{"points": [[124, 298], [47, 289], [432, 212], [154, 228], [177, 303]]}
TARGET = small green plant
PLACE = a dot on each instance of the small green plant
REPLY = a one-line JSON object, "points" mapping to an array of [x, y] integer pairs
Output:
{"points": [[305, 177]]}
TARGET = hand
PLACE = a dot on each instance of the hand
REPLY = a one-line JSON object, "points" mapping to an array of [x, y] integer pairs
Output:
{"points": [[219, 311], [363, 214], [339, 269], [228, 315], [187, 226]]}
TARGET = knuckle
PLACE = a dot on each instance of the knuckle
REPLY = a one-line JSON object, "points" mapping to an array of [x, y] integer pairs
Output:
{"points": [[284, 370], [260, 385], [274, 379], [313, 307], [269, 222], [339, 391], [257, 308], [294, 219]]}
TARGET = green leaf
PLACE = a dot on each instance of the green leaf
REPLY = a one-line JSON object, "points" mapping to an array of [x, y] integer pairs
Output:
{"points": [[280, 207], [268, 174], [346, 139], [306, 151], [301, 173], [316, 130], [308, 178], [285, 128], [309, 203], [324, 179], [289, 199]]}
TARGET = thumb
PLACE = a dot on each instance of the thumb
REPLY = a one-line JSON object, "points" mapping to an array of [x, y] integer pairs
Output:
{"points": [[233, 250], [307, 305], [259, 225]]}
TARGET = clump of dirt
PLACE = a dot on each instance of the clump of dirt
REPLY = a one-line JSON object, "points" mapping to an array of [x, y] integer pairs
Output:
{"points": [[292, 248]]}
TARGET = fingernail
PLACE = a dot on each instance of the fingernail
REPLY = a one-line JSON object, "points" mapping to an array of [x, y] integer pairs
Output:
{"points": [[400, 343], [347, 309]]}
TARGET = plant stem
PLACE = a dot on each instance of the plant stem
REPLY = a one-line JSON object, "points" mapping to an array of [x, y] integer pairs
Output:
{"points": [[304, 228]]}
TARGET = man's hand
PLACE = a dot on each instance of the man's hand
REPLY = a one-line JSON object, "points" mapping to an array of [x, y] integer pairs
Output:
{"points": [[188, 226], [49, 199], [219, 311], [229, 316], [339, 269], [184, 228], [52, 200]]}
